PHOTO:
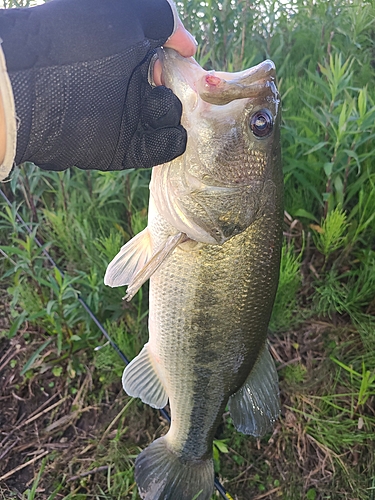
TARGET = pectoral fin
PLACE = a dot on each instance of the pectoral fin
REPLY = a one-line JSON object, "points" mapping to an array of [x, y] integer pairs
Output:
{"points": [[142, 380], [153, 264], [135, 263], [130, 260], [255, 407]]}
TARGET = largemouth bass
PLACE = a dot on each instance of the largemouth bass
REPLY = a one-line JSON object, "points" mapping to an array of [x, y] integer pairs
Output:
{"points": [[211, 250]]}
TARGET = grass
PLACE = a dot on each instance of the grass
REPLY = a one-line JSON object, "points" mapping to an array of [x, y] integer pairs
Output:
{"points": [[67, 429]]}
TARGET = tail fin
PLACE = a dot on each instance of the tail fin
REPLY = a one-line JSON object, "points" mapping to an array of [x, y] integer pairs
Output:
{"points": [[162, 475]]}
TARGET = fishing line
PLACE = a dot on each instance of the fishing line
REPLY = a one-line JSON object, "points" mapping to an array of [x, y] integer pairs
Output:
{"points": [[164, 413]]}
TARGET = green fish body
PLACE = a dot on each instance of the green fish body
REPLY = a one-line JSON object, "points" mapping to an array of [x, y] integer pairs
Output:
{"points": [[212, 252]]}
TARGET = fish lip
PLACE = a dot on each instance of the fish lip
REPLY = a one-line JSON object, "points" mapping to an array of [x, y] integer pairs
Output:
{"points": [[150, 75], [253, 83], [263, 70], [219, 87], [172, 60]]}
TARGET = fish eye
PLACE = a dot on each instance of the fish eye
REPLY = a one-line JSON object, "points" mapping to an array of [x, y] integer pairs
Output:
{"points": [[261, 123]]}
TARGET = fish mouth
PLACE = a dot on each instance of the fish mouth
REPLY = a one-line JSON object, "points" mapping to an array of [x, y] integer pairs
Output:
{"points": [[214, 87]]}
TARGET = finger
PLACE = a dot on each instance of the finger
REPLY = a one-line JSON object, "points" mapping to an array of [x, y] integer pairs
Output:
{"points": [[156, 147], [161, 109], [182, 41]]}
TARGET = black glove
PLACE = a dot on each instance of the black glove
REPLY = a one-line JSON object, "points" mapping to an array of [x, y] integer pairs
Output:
{"points": [[78, 70]]}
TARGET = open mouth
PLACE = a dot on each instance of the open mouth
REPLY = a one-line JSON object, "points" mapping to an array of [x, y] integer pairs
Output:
{"points": [[155, 72]]}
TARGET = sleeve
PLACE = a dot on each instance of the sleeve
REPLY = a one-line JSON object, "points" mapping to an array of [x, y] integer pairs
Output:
{"points": [[6, 95]]}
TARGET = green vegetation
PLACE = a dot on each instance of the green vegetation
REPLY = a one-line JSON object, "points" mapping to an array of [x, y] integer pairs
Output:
{"points": [[63, 409]]}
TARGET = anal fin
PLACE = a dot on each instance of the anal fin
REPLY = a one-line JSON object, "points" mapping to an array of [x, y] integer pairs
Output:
{"points": [[255, 407], [141, 380]]}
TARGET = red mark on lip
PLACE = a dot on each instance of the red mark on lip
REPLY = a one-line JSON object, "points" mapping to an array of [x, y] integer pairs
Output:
{"points": [[212, 80]]}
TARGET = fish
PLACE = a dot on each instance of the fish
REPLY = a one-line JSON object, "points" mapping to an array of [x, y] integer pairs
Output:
{"points": [[211, 250]]}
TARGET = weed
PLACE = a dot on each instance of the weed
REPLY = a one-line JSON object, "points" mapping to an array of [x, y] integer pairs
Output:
{"points": [[330, 235], [284, 310]]}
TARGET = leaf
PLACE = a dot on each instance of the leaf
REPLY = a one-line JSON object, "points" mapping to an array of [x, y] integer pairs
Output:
{"points": [[318, 146], [57, 371], [343, 119], [311, 494], [11, 250], [33, 357], [49, 307], [328, 167], [362, 102], [339, 187], [58, 277], [37, 315], [69, 293], [16, 324], [197, 495], [306, 184], [221, 446], [301, 212], [353, 154]]}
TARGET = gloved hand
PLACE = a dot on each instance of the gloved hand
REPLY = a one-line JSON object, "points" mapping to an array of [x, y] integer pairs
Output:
{"points": [[79, 74]]}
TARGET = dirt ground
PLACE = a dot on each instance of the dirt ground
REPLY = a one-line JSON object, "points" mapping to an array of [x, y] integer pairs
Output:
{"points": [[41, 415]]}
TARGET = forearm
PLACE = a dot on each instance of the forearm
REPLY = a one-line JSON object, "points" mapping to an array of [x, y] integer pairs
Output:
{"points": [[2, 132], [75, 89], [8, 128]]}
